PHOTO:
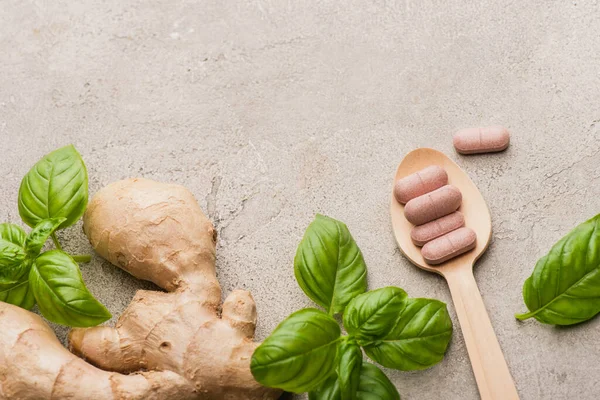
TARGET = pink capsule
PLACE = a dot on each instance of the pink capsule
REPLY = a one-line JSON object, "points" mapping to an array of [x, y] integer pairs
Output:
{"points": [[449, 246], [481, 140], [433, 205], [426, 233], [419, 183]]}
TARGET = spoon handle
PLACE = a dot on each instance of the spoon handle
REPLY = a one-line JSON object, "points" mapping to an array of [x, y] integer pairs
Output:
{"points": [[489, 366]]}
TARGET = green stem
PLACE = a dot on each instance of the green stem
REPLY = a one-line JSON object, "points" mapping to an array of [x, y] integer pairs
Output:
{"points": [[524, 316], [56, 242], [82, 258]]}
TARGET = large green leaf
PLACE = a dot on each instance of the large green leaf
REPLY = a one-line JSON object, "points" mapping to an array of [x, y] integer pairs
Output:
{"points": [[57, 186], [373, 385], [300, 353], [419, 339], [372, 315], [350, 359], [40, 233], [61, 295], [18, 294], [564, 288], [329, 266]]}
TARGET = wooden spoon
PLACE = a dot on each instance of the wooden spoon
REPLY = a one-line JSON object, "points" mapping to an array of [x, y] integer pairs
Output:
{"points": [[491, 372]]}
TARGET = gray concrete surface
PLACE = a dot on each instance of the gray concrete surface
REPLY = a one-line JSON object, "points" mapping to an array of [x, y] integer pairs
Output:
{"points": [[271, 111]]}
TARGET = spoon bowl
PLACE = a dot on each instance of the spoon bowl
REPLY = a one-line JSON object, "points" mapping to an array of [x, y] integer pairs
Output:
{"points": [[474, 209], [489, 366]]}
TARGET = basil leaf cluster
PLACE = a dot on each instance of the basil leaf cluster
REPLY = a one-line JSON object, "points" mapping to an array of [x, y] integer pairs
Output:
{"points": [[52, 196], [564, 288], [307, 351]]}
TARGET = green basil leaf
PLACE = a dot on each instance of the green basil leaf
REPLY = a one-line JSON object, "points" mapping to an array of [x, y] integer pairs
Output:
{"points": [[40, 233], [373, 385], [328, 390], [419, 339], [350, 359], [329, 266], [18, 294], [300, 353], [12, 262], [372, 315], [564, 288], [13, 233], [61, 295], [57, 186]]}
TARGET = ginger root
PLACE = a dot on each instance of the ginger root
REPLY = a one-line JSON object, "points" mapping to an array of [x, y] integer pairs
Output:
{"points": [[173, 345], [34, 365]]}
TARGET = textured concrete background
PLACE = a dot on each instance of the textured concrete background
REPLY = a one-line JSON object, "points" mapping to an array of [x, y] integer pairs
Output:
{"points": [[271, 111]]}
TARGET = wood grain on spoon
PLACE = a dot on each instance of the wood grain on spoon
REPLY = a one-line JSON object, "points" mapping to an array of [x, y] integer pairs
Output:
{"points": [[489, 366]]}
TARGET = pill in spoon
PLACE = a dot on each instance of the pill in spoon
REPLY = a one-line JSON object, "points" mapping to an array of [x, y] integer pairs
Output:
{"points": [[449, 246], [433, 205], [419, 183], [422, 234]]}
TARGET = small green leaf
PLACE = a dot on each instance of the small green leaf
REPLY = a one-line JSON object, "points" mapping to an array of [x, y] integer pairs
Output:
{"points": [[18, 294], [38, 235], [300, 353], [12, 269], [61, 295], [12, 262], [57, 186], [329, 266], [13, 233], [373, 385], [419, 339], [372, 315], [564, 288], [12, 273], [350, 359]]}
